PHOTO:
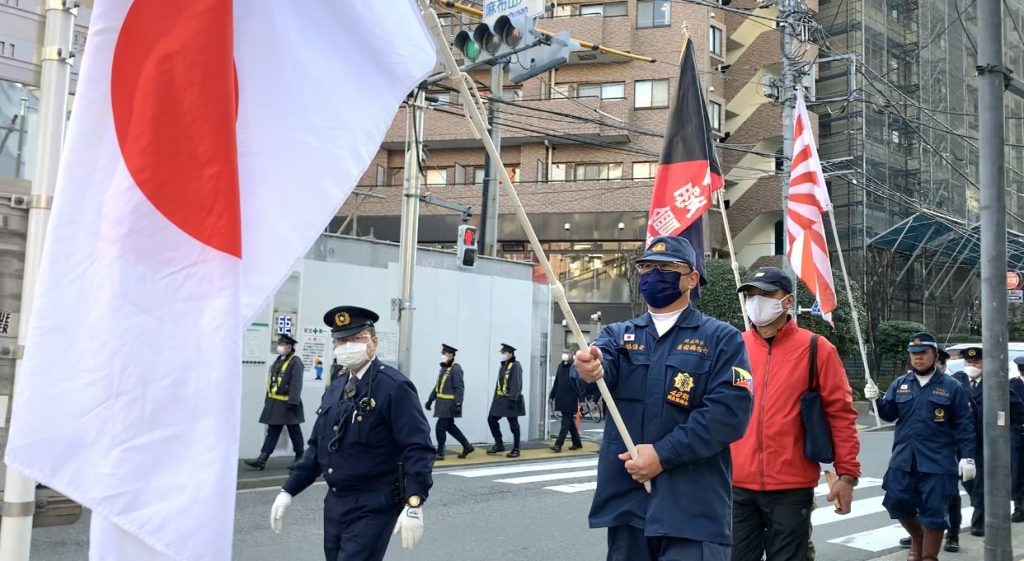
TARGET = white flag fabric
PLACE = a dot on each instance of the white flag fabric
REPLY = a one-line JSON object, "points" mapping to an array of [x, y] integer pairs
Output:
{"points": [[208, 148], [808, 201]]}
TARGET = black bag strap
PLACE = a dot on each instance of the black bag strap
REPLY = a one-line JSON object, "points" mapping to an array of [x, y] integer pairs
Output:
{"points": [[813, 370]]}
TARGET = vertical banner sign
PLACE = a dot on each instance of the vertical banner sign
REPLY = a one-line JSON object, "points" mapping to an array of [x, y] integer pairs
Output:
{"points": [[494, 9], [313, 345]]}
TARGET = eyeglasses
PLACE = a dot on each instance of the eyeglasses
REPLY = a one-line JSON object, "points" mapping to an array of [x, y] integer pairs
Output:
{"points": [[361, 338], [647, 266]]}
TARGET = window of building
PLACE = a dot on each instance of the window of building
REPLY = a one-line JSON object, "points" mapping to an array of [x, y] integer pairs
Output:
{"points": [[512, 94], [608, 10], [439, 98], [596, 172], [644, 170], [715, 115], [437, 176], [894, 136], [650, 93], [653, 13], [716, 42], [603, 91], [480, 172]]}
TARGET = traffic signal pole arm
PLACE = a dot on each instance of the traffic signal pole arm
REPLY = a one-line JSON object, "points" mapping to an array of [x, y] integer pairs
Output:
{"points": [[461, 80], [476, 12]]}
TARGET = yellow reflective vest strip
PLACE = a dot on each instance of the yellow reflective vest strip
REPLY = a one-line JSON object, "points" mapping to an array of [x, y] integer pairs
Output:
{"points": [[503, 383], [275, 381], [438, 391]]}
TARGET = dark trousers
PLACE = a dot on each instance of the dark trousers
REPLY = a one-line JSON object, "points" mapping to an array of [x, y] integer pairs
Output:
{"points": [[358, 527], [444, 426], [976, 490], [772, 524], [626, 543], [568, 426], [274, 432], [956, 518], [513, 424]]}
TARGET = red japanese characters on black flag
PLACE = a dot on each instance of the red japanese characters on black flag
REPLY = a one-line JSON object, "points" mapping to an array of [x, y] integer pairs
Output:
{"points": [[688, 172]]}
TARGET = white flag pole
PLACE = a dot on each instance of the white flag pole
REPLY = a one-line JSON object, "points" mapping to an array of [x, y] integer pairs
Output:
{"points": [[732, 257], [853, 311]]}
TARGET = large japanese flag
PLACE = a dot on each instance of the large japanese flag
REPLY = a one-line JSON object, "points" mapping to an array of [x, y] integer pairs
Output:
{"points": [[207, 150]]}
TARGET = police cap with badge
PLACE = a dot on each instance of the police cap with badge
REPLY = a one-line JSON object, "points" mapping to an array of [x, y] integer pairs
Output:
{"points": [[971, 353], [921, 342], [448, 349], [506, 348], [345, 321], [669, 249], [286, 339]]}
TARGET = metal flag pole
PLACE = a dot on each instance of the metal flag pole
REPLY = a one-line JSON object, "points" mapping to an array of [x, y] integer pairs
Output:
{"points": [[468, 93], [853, 311]]}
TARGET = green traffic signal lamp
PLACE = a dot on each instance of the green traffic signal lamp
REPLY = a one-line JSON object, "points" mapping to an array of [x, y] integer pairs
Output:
{"points": [[467, 45]]}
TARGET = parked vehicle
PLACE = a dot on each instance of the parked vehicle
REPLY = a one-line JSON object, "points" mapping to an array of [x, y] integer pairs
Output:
{"points": [[956, 364]]}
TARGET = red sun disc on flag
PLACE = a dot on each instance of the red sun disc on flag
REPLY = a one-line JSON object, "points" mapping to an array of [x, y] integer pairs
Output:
{"points": [[174, 99]]}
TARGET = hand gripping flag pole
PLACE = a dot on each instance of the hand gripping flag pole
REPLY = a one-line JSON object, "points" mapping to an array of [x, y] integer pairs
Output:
{"points": [[467, 91]]}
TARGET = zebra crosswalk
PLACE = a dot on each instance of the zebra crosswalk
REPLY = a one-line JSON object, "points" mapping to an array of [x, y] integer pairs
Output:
{"points": [[867, 528]]}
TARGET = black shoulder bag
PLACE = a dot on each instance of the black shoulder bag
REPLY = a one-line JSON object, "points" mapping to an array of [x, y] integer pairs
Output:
{"points": [[817, 434]]}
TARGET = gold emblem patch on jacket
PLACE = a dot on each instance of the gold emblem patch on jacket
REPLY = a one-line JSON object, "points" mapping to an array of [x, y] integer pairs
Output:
{"points": [[940, 415], [680, 392]]}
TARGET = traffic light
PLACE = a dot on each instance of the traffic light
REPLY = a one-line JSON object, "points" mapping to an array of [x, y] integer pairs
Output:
{"points": [[530, 51], [550, 52], [466, 254]]}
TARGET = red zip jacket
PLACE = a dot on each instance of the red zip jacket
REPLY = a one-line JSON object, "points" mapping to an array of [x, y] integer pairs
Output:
{"points": [[770, 456]]}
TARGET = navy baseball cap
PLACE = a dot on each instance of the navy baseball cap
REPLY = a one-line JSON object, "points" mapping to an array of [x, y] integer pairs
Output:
{"points": [[1019, 361], [921, 342], [669, 249], [768, 279]]}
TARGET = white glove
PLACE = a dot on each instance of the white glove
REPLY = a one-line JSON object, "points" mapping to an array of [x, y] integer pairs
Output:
{"points": [[967, 469], [282, 502], [871, 391], [410, 522]]}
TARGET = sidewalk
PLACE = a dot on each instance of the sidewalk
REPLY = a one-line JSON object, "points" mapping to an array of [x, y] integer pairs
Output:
{"points": [[971, 548], [277, 468]]}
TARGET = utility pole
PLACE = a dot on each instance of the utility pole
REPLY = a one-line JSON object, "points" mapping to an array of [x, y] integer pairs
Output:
{"points": [[789, 12], [410, 227], [995, 389], [489, 208], [54, 82]]}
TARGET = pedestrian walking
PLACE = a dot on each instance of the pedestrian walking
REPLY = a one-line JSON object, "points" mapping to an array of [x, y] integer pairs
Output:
{"points": [[371, 444], [282, 405], [565, 399], [507, 402], [972, 378], [933, 444], [682, 384], [773, 478], [448, 392]]}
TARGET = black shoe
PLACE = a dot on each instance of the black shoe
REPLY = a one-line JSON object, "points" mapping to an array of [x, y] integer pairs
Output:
{"points": [[1018, 516], [556, 448], [576, 446], [466, 450], [439, 458], [257, 463], [513, 454], [495, 449], [952, 543], [905, 542], [980, 532]]}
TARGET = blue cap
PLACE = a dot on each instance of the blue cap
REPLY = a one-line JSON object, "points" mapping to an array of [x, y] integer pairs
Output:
{"points": [[669, 249], [768, 279], [349, 320], [922, 342], [1019, 361]]}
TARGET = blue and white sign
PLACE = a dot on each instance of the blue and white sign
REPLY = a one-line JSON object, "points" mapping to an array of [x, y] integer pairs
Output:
{"points": [[493, 9], [816, 309], [284, 325]]}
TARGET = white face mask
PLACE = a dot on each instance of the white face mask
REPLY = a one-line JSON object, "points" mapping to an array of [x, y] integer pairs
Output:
{"points": [[565, 357], [351, 355], [763, 310], [973, 372], [281, 349]]}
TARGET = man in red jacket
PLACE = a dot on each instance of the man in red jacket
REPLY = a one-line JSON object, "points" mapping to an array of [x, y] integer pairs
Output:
{"points": [[773, 482]]}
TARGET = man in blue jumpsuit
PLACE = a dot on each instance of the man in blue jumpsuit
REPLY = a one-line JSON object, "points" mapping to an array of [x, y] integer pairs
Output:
{"points": [[971, 378], [371, 443], [934, 427], [681, 381]]}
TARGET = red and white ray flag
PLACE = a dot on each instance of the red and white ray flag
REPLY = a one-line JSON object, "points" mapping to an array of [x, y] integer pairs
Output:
{"points": [[808, 202], [208, 148]]}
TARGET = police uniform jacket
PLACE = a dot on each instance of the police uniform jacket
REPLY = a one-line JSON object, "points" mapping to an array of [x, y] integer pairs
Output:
{"points": [[1016, 442], [934, 426], [283, 402], [508, 392], [688, 393], [357, 449], [976, 402], [563, 390], [448, 392]]}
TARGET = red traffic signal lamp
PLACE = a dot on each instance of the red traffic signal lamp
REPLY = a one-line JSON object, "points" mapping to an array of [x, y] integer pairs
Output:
{"points": [[466, 252]]}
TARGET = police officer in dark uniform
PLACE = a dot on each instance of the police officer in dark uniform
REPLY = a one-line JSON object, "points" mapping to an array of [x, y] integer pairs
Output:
{"points": [[1016, 438], [282, 406], [934, 427], [448, 392], [565, 398], [682, 383], [508, 401], [971, 378], [371, 443]]}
